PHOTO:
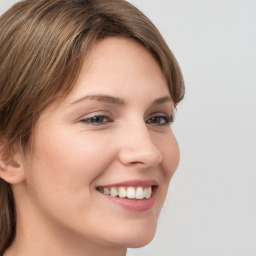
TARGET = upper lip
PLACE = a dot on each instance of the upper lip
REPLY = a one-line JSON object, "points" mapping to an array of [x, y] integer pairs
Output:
{"points": [[132, 183]]}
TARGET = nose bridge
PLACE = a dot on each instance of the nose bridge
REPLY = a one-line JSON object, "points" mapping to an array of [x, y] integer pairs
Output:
{"points": [[138, 146]]}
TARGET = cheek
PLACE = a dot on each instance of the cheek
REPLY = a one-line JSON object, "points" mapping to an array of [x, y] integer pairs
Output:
{"points": [[170, 153], [66, 162], [171, 156]]}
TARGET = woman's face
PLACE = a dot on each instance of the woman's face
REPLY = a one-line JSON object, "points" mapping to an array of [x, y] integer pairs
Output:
{"points": [[110, 135]]}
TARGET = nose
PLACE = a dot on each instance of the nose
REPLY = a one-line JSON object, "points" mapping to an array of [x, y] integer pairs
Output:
{"points": [[138, 148]]}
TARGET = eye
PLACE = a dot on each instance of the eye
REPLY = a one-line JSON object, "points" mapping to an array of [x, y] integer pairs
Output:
{"points": [[160, 120], [96, 120]]}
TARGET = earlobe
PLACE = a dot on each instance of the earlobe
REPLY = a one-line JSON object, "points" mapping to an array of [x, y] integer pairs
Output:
{"points": [[11, 167]]}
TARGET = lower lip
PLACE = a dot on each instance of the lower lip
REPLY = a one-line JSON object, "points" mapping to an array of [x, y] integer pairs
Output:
{"points": [[135, 205]]}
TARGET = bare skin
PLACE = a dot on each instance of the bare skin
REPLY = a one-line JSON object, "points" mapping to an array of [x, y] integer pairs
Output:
{"points": [[112, 128]]}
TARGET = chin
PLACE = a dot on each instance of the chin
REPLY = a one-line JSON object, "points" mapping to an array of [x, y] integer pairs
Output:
{"points": [[138, 236], [140, 242]]}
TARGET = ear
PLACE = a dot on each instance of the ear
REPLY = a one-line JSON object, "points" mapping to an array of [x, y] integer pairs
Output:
{"points": [[11, 166]]}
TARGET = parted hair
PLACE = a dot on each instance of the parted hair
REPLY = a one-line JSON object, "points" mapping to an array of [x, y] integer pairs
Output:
{"points": [[43, 44]]}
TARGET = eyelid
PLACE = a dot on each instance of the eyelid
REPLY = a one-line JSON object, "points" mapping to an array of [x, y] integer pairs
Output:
{"points": [[100, 113], [169, 118], [94, 113], [96, 120], [162, 114]]}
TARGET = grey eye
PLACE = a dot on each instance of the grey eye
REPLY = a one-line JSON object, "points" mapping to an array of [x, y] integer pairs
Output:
{"points": [[95, 120], [160, 120]]}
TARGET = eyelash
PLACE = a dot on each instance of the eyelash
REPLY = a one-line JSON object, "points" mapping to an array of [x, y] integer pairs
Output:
{"points": [[95, 120], [156, 120]]}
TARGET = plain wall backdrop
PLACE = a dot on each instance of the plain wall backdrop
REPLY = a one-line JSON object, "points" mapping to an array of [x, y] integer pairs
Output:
{"points": [[211, 205]]}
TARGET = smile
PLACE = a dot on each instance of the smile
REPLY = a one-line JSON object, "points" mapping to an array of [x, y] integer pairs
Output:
{"points": [[134, 195], [127, 192]]}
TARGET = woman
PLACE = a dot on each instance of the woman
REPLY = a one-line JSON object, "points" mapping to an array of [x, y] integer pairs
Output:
{"points": [[88, 90]]}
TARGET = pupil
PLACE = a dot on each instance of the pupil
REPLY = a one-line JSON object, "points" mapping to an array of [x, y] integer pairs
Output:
{"points": [[155, 120], [97, 119]]}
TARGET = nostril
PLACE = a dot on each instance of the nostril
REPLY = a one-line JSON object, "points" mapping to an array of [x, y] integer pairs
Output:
{"points": [[144, 157]]}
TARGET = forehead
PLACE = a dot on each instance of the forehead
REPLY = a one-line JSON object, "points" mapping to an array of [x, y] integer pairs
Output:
{"points": [[120, 66]]}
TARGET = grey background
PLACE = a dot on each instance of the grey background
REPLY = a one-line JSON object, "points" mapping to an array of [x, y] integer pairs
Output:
{"points": [[211, 206]]}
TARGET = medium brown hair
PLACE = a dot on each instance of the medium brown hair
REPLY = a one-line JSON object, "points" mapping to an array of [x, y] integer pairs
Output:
{"points": [[43, 44]]}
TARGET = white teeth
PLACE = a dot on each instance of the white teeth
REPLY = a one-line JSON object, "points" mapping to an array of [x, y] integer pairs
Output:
{"points": [[106, 191], [149, 192], [130, 192], [145, 192], [113, 192], [139, 193], [122, 192]]}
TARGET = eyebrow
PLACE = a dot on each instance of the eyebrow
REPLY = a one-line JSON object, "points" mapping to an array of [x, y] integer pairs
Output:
{"points": [[162, 100], [119, 101], [102, 98]]}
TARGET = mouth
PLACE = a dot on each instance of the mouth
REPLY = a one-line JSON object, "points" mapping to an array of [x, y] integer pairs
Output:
{"points": [[132, 195], [129, 192]]}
